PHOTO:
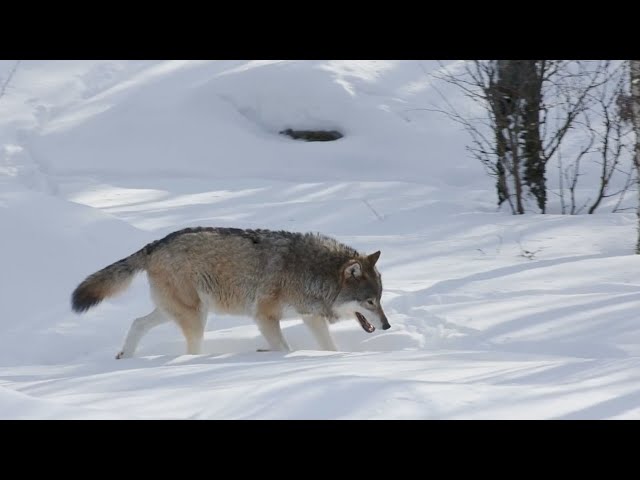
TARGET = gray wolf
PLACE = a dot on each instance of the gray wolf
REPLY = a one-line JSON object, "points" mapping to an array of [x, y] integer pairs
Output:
{"points": [[263, 274]]}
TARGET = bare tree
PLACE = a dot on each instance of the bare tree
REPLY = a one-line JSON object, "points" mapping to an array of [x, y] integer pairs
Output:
{"points": [[5, 83], [604, 144], [612, 136], [530, 107], [572, 172], [634, 71], [514, 94]]}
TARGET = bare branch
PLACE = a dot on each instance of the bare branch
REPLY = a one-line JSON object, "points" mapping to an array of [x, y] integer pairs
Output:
{"points": [[5, 84]]}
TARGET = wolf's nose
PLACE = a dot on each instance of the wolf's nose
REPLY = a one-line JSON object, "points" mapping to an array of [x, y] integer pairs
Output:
{"points": [[386, 326]]}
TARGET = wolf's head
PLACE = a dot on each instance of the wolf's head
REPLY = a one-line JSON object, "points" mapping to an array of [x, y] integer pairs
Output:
{"points": [[360, 293]]}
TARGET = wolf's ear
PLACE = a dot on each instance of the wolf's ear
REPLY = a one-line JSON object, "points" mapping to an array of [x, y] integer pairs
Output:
{"points": [[352, 269], [373, 258]]}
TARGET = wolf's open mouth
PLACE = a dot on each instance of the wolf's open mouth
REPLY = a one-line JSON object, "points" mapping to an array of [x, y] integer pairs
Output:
{"points": [[366, 326]]}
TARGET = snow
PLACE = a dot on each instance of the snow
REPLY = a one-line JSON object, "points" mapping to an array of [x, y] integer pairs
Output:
{"points": [[493, 315]]}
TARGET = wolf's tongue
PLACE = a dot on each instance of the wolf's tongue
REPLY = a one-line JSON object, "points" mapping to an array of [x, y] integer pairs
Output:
{"points": [[366, 326]]}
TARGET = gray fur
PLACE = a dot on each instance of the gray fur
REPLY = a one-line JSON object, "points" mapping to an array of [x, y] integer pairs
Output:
{"points": [[244, 272]]}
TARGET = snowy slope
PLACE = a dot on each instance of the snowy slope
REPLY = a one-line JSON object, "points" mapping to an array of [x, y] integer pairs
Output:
{"points": [[98, 158]]}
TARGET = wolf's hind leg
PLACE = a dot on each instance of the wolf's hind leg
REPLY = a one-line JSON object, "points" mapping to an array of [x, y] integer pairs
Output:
{"points": [[179, 299], [138, 329], [192, 322]]}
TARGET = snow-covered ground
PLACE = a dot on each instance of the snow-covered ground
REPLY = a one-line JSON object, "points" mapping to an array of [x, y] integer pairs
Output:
{"points": [[493, 316]]}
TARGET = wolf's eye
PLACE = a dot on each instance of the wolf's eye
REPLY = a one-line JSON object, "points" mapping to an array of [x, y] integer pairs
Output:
{"points": [[370, 302]]}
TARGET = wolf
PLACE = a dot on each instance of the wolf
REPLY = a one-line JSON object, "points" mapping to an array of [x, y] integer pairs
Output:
{"points": [[259, 273]]}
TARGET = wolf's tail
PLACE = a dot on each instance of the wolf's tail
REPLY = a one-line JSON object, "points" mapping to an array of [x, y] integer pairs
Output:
{"points": [[108, 282]]}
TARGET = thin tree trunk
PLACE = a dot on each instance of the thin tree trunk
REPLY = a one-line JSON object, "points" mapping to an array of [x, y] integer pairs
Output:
{"points": [[515, 96], [635, 106], [535, 166], [500, 99]]}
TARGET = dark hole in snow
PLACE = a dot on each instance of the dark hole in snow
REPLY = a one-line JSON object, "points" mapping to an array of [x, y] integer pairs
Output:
{"points": [[312, 135]]}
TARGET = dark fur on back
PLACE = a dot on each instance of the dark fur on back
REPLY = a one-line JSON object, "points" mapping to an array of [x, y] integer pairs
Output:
{"points": [[255, 235]]}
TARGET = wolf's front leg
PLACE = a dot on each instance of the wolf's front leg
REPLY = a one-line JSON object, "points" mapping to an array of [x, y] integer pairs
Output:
{"points": [[319, 327]]}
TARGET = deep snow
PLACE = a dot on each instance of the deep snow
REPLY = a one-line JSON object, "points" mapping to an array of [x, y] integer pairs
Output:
{"points": [[98, 158]]}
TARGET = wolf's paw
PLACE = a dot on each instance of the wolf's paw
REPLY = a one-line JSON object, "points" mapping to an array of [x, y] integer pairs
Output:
{"points": [[120, 355]]}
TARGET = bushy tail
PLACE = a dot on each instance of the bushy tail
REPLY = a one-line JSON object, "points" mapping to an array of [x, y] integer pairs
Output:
{"points": [[107, 282]]}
